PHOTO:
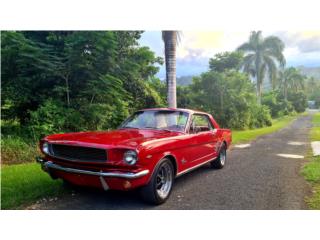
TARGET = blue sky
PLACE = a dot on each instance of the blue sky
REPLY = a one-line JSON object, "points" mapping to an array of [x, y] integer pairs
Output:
{"points": [[195, 48]]}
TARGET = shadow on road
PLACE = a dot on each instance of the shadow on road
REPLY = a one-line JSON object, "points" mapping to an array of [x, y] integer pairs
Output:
{"points": [[88, 198]]}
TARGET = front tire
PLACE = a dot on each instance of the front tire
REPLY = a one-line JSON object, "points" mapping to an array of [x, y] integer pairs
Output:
{"points": [[220, 161], [158, 190]]}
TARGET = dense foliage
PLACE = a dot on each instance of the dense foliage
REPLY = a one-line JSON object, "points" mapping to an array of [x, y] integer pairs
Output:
{"points": [[57, 81], [227, 93], [71, 81], [313, 90], [230, 95]]}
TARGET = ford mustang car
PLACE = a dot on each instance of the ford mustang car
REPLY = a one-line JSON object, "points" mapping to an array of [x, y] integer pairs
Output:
{"points": [[148, 151]]}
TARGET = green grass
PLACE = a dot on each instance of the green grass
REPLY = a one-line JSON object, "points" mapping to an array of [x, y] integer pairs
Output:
{"points": [[23, 184], [315, 132], [311, 171], [248, 135], [314, 201]]}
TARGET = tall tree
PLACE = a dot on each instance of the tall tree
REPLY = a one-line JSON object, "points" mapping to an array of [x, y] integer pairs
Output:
{"points": [[312, 85], [292, 79], [170, 39], [262, 55], [226, 61], [77, 80]]}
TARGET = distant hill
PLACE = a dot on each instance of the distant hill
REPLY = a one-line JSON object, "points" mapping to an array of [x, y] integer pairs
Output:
{"points": [[184, 80], [310, 71]]}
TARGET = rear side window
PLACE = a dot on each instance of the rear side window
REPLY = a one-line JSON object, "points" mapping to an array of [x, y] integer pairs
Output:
{"points": [[200, 123]]}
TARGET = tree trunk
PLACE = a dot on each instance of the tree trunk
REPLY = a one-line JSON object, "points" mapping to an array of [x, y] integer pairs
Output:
{"points": [[170, 44], [285, 92], [259, 92], [259, 80]]}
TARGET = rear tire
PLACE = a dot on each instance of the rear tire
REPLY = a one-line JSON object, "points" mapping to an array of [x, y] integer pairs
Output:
{"points": [[220, 161], [158, 190]]}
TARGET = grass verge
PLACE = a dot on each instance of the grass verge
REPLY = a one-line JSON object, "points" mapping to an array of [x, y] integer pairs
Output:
{"points": [[311, 171], [25, 183], [15, 150], [248, 135]]}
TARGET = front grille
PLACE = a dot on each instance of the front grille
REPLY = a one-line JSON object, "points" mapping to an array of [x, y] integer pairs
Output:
{"points": [[77, 153]]}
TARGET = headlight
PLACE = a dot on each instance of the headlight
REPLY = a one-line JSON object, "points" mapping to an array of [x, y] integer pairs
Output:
{"points": [[45, 148], [130, 157]]}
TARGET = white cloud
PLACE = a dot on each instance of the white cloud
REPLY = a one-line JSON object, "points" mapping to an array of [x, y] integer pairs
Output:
{"points": [[307, 41], [195, 48]]}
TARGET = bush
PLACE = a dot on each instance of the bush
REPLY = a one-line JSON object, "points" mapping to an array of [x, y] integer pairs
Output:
{"points": [[277, 104], [274, 103], [230, 97], [53, 117], [260, 116], [16, 150], [298, 100]]}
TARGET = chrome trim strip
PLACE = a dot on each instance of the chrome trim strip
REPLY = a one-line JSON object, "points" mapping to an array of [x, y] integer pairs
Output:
{"points": [[194, 167], [50, 165]]}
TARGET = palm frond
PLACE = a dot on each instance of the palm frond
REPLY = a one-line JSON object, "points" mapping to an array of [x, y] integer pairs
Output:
{"points": [[273, 42], [274, 46], [248, 64], [246, 47], [272, 69]]}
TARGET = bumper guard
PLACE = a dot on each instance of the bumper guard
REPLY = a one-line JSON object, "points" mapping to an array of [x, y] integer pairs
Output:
{"points": [[47, 165]]}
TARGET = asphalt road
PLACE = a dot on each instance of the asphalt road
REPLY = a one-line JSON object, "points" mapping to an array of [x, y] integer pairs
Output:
{"points": [[254, 178]]}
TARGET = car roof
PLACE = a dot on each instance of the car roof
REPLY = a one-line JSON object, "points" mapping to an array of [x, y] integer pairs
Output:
{"points": [[190, 111]]}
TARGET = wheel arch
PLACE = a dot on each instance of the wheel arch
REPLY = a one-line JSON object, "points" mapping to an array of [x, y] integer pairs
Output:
{"points": [[225, 143], [173, 161]]}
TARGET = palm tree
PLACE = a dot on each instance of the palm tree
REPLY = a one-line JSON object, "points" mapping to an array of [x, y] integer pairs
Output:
{"points": [[262, 55], [312, 85], [170, 39], [292, 79]]}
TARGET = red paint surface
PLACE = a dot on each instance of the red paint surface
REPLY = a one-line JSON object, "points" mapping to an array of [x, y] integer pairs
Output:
{"points": [[187, 150]]}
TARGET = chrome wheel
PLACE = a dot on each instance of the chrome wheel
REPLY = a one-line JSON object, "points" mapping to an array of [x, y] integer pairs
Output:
{"points": [[164, 180], [223, 157], [158, 190], [220, 161]]}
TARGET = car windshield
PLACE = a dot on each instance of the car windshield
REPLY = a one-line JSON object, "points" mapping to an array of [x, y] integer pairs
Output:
{"points": [[162, 120]]}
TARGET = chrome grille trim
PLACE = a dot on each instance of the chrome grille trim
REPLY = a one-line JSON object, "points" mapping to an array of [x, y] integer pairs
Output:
{"points": [[77, 153]]}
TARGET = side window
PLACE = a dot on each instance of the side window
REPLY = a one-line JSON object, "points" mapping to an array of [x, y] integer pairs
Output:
{"points": [[200, 123]]}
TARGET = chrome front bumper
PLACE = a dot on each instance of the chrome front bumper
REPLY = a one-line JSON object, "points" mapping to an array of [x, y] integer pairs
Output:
{"points": [[47, 165]]}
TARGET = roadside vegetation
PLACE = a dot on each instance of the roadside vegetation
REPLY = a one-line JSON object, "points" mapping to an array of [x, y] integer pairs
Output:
{"points": [[66, 81], [311, 171], [249, 135]]}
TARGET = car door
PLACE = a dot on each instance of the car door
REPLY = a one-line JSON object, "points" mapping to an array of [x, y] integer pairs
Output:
{"points": [[203, 139]]}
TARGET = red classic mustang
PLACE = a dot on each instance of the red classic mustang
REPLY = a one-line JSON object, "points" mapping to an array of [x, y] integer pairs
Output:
{"points": [[148, 150]]}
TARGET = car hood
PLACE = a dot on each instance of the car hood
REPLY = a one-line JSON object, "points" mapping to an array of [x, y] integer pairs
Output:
{"points": [[109, 139]]}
